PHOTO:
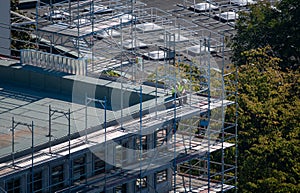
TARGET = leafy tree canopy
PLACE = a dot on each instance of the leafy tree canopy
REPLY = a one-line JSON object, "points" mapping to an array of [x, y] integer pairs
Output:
{"points": [[269, 124], [14, 4], [277, 26]]}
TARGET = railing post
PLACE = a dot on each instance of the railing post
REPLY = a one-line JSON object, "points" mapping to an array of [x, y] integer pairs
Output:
{"points": [[21, 56], [86, 67]]}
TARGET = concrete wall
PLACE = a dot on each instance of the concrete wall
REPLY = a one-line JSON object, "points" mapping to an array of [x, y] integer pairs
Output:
{"points": [[5, 28]]}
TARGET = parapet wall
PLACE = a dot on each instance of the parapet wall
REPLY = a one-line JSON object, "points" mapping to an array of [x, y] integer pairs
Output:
{"points": [[74, 87]]}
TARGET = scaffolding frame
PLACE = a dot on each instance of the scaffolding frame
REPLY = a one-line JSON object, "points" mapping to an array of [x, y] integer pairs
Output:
{"points": [[192, 129]]}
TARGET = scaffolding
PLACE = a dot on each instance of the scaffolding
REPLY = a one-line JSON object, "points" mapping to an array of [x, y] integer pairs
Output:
{"points": [[180, 136]]}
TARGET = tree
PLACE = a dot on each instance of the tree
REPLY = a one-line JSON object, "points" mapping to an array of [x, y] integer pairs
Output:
{"points": [[14, 4], [267, 50], [277, 26], [269, 124], [20, 35]]}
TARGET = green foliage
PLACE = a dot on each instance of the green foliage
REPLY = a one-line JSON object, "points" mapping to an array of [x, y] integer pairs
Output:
{"points": [[267, 50], [14, 4], [21, 39], [192, 73], [180, 71], [269, 125], [111, 73], [275, 26], [20, 36]]}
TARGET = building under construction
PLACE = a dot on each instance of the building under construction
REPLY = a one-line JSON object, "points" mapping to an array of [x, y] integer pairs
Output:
{"points": [[117, 96]]}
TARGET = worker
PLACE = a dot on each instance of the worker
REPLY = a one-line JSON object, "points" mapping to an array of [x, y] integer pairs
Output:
{"points": [[183, 92], [179, 92], [174, 88]]}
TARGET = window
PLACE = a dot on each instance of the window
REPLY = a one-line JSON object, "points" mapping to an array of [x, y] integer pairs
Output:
{"points": [[57, 178], [141, 183], [141, 144], [161, 176], [79, 169], [99, 165], [143, 139], [161, 137], [120, 189], [37, 182], [13, 185]]}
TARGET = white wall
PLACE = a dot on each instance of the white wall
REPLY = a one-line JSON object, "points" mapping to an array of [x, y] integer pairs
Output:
{"points": [[5, 27]]}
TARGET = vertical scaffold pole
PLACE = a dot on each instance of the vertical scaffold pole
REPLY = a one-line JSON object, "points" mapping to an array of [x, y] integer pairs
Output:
{"points": [[174, 132], [122, 74], [13, 141], [30, 127], [140, 135], [103, 104], [32, 152], [86, 117], [105, 138], [174, 143], [207, 42], [36, 24], [50, 134], [69, 137], [223, 115], [67, 115], [236, 128]]}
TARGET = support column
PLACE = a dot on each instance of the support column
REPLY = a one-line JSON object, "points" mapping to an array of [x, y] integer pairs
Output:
{"points": [[46, 178], [169, 135], [89, 164], [151, 141], [110, 190], [2, 185], [25, 185], [66, 172], [131, 151], [130, 187], [150, 146], [169, 179], [151, 186], [110, 156]]}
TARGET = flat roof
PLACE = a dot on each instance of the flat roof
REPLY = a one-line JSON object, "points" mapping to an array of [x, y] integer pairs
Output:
{"points": [[26, 105]]}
